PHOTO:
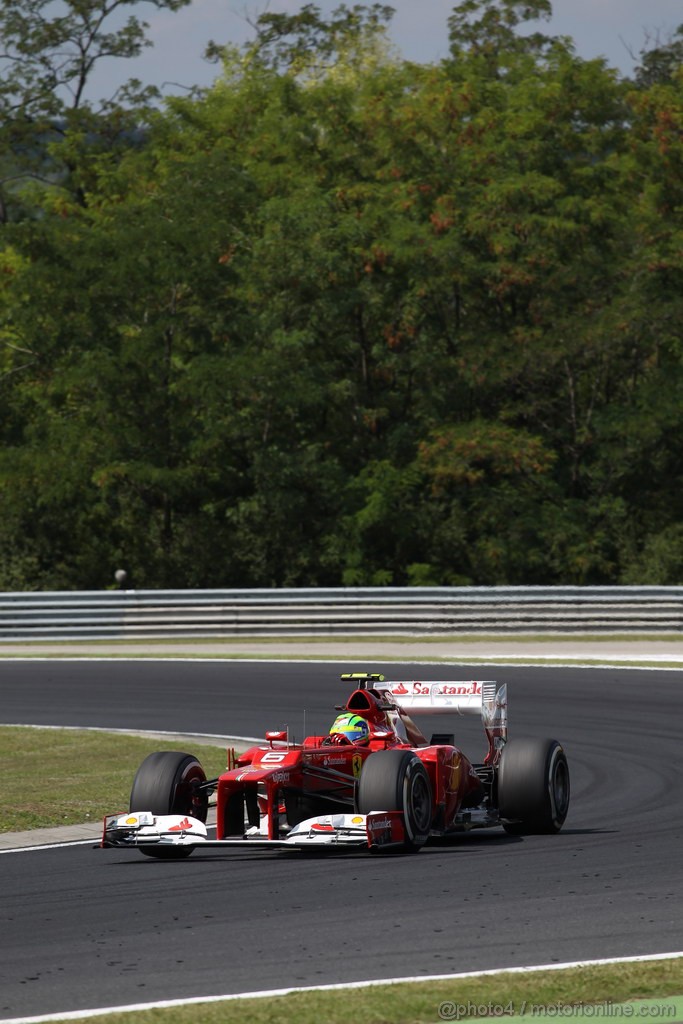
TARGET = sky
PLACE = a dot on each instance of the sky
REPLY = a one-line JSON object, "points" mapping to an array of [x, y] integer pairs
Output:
{"points": [[613, 29]]}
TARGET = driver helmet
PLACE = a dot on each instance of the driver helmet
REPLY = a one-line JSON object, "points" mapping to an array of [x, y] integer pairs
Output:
{"points": [[353, 727]]}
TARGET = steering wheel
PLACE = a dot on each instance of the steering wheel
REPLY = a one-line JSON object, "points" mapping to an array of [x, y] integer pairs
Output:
{"points": [[337, 739]]}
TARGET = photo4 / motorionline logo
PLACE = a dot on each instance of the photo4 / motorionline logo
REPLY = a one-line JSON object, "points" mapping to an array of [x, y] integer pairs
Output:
{"points": [[603, 1010]]}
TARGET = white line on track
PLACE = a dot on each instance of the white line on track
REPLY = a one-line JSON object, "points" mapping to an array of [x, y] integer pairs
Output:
{"points": [[343, 986], [51, 846], [151, 733]]}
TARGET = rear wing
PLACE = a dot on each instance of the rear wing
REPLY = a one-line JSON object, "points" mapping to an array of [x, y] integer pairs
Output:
{"points": [[475, 697], [440, 696]]}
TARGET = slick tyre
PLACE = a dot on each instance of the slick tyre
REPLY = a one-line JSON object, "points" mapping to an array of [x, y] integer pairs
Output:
{"points": [[397, 780], [533, 787], [167, 783]]}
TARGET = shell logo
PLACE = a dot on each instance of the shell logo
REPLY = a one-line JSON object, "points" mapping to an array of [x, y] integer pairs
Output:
{"points": [[357, 820], [131, 821]]}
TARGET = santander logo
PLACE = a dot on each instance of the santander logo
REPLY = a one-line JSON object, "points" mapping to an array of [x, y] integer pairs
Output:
{"points": [[470, 689], [462, 689]]}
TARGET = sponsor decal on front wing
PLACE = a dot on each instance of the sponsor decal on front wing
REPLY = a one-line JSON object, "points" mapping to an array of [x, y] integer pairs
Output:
{"points": [[183, 826], [330, 829], [385, 828]]}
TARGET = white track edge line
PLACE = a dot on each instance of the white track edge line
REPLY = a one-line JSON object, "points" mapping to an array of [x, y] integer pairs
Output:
{"points": [[51, 846], [144, 733], [272, 993]]}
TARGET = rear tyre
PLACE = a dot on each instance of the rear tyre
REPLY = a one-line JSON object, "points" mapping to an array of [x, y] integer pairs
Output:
{"points": [[167, 782], [533, 787], [397, 780]]}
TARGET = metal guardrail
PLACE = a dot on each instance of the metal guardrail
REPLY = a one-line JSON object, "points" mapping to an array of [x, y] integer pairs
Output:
{"points": [[344, 611]]}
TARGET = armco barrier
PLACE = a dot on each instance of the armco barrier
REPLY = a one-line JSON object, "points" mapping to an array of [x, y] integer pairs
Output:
{"points": [[347, 611]]}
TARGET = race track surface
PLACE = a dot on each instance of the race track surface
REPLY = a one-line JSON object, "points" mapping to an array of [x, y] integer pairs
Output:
{"points": [[83, 927]]}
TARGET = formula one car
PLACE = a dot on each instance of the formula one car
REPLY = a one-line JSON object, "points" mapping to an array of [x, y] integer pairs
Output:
{"points": [[374, 783]]}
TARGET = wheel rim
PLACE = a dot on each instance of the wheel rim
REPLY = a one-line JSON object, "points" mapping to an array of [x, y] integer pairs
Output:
{"points": [[559, 789], [417, 804], [189, 799], [422, 803]]}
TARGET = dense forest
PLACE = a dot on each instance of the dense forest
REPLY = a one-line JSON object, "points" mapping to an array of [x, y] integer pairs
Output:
{"points": [[340, 319]]}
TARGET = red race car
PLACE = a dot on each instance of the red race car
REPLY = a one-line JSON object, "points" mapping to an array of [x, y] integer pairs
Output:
{"points": [[374, 782]]}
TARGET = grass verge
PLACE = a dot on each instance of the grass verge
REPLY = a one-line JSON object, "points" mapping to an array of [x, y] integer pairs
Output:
{"points": [[68, 777]]}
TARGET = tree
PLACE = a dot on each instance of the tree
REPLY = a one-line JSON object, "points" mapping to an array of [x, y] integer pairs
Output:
{"points": [[373, 323], [660, 62], [487, 31], [306, 44], [49, 52]]}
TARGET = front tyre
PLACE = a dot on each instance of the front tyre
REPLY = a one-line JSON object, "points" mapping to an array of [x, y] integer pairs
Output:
{"points": [[397, 780], [167, 782], [533, 787]]}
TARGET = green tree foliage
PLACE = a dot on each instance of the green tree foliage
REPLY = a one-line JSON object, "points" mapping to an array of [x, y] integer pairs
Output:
{"points": [[49, 125], [661, 62], [344, 319]]}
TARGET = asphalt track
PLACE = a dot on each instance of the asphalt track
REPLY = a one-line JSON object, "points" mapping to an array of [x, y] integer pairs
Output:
{"points": [[83, 928]]}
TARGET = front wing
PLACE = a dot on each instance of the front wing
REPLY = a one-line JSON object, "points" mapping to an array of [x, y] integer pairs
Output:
{"points": [[139, 829]]}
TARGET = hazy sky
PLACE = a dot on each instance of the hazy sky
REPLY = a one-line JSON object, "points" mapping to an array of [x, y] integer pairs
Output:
{"points": [[613, 29]]}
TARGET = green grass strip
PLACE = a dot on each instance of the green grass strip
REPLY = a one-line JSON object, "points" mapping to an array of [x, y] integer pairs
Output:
{"points": [[69, 777]]}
